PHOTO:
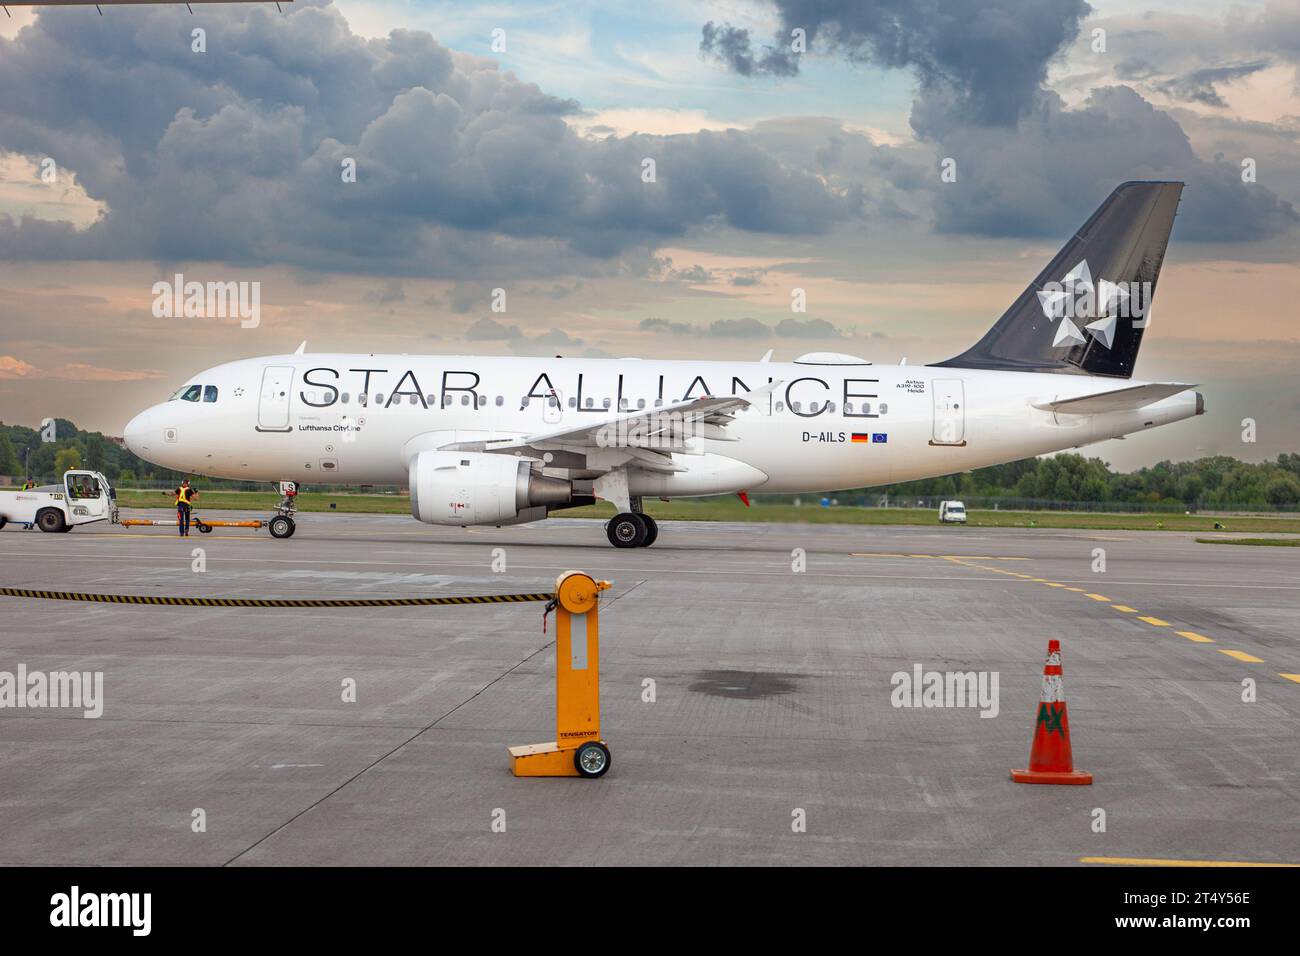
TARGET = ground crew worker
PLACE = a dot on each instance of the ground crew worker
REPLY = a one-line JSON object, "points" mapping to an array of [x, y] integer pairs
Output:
{"points": [[28, 485], [185, 496]]}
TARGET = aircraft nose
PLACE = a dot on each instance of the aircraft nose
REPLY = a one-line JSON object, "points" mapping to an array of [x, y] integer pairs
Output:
{"points": [[135, 434]]}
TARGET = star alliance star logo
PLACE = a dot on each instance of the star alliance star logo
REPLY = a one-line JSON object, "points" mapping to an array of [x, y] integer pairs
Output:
{"points": [[1077, 297]]}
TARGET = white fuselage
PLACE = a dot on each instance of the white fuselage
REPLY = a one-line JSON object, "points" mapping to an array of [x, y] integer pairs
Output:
{"points": [[300, 417]]}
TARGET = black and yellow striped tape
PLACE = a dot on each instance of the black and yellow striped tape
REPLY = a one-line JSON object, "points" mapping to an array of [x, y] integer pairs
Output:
{"points": [[269, 602]]}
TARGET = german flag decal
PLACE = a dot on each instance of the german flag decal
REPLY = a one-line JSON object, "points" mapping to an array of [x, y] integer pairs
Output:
{"points": [[862, 437]]}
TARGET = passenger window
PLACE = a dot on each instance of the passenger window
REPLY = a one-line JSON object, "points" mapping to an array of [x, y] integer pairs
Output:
{"points": [[430, 400], [866, 408], [589, 403], [464, 399], [658, 402], [523, 403], [343, 397], [573, 402], [361, 399], [884, 407], [500, 401], [552, 402], [192, 393], [795, 407], [209, 393], [830, 407], [606, 403], [812, 407], [379, 398], [780, 406], [415, 399], [640, 403]]}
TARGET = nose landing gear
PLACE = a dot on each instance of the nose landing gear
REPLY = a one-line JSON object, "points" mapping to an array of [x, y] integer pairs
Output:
{"points": [[283, 525]]}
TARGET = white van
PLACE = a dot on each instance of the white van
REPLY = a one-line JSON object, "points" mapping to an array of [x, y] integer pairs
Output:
{"points": [[952, 512]]}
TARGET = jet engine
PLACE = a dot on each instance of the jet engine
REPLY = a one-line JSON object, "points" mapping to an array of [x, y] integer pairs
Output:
{"points": [[464, 488]]}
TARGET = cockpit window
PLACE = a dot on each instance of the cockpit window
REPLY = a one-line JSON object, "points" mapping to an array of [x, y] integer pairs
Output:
{"points": [[192, 393], [209, 393]]}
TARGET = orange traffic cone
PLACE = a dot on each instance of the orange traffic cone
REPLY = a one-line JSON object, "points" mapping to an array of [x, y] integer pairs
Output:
{"points": [[1050, 760]]}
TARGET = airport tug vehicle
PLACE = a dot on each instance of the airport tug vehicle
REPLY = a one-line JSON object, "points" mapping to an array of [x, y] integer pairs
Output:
{"points": [[84, 497], [577, 750]]}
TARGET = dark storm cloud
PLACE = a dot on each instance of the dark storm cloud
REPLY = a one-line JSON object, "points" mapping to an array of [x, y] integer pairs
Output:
{"points": [[461, 168], [988, 58], [1026, 164], [732, 46], [1199, 86], [1060, 164]]}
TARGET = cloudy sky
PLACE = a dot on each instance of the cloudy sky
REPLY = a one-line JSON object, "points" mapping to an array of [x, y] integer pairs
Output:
{"points": [[502, 145]]}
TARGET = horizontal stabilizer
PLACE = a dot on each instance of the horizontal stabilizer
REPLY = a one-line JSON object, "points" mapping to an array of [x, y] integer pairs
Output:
{"points": [[1117, 400]]}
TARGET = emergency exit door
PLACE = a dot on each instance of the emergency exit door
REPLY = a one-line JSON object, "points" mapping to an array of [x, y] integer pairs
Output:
{"points": [[949, 412], [273, 406]]}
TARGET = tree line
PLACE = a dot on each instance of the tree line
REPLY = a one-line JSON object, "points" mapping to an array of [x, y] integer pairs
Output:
{"points": [[1219, 481]]}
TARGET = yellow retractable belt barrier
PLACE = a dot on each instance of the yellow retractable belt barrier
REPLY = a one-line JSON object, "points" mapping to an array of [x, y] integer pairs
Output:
{"points": [[270, 602], [577, 750]]}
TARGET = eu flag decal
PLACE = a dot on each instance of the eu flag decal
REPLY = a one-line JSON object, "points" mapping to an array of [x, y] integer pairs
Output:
{"points": [[879, 437]]}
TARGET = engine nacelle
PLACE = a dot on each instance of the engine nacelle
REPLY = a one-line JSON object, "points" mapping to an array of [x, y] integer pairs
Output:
{"points": [[464, 488]]}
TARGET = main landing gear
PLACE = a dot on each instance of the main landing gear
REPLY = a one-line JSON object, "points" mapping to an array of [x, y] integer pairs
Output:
{"points": [[632, 530]]}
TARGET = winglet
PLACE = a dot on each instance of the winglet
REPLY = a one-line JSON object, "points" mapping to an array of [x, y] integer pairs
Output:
{"points": [[302, 349], [767, 356]]}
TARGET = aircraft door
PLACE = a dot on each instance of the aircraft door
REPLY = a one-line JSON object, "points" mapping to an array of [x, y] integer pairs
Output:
{"points": [[273, 406], [949, 412], [553, 407]]}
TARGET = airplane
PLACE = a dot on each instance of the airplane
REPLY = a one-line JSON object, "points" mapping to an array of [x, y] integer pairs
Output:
{"points": [[506, 440]]}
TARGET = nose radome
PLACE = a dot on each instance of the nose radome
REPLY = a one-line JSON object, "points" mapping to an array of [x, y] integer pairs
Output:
{"points": [[135, 434]]}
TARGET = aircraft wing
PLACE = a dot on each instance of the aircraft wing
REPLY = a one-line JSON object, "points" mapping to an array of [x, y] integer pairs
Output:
{"points": [[1120, 399], [646, 438]]}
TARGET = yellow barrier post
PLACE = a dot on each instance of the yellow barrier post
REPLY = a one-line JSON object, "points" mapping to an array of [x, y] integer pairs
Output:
{"points": [[577, 750]]}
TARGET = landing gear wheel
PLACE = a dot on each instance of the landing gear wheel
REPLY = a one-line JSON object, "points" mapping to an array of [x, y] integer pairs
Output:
{"points": [[51, 520], [651, 531], [282, 527], [203, 528], [627, 530], [591, 759]]}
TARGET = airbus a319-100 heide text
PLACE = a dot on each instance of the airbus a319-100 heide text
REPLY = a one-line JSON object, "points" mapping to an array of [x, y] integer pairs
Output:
{"points": [[502, 440]]}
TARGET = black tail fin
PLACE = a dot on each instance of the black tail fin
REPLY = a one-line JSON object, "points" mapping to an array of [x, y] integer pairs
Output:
{"points": [[1085, 313]]}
